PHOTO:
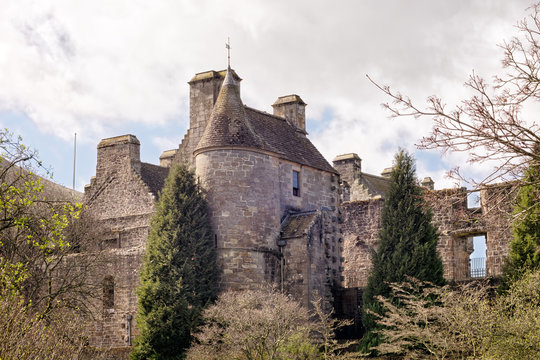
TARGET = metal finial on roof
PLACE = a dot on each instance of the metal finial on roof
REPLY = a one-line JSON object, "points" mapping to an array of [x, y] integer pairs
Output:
{"points": [[228, 47], [229, 79]]}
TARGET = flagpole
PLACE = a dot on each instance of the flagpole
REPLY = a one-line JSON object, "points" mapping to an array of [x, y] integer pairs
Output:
{"points": [[74, 158]]}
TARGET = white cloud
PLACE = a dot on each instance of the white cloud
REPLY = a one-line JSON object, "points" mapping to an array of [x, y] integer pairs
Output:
{"points": [[95, 66]]}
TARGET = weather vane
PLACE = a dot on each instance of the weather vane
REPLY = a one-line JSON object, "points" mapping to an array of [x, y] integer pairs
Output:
{"points": [[228, 47]]}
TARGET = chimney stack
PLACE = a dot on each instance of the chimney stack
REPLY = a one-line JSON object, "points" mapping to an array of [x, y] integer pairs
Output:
{"points": [[293, 109]]}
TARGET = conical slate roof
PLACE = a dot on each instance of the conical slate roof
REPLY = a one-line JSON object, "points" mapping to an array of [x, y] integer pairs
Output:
{"points": [[228, 124], [232, 124]]}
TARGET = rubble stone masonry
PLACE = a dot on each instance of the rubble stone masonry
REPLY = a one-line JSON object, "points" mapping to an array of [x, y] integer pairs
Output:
{"points": [[457, 224], [122, 205]]}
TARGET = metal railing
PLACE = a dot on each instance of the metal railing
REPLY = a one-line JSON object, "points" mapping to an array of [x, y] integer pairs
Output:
{"points": [[478, 267]]}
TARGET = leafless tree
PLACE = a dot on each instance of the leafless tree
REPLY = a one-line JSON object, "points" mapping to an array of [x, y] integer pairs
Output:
{"points": [[265, 324], [488, 125]]}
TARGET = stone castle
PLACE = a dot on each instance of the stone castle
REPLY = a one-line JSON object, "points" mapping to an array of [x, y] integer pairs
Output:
{"points": [[280, 213]]}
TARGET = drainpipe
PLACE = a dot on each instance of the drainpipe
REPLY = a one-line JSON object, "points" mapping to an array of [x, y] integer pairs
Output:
{"points": [[129, 317], [281, 267]]}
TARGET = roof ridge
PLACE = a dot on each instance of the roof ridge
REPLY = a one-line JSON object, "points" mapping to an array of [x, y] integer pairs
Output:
{"points": [[153, 181], [277, 117], [376, 176]]}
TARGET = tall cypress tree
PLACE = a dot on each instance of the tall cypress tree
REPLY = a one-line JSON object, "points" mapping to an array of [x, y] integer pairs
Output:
{"points": [[524, 252], [179, 274], [407, 241]]}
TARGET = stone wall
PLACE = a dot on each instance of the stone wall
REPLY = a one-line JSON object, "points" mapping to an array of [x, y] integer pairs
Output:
{"points": [[457, 224], [249, 193], [121, 204], [317, 188], [312, 256], [243, 199], [361, 221], [497, 204], [110, 329]]}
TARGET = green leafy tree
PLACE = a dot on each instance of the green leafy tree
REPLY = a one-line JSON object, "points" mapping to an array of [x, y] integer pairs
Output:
{"points": [[38, 222], [524, 252], [41, 292], [407, 242], [179, 275]]}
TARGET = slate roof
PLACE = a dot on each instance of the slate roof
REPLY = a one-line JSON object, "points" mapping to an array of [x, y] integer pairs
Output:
{"points": [[280, 137], [233, 124], [375, 184], [15, 175], [228, 124], [154, 177], [297, 225]]}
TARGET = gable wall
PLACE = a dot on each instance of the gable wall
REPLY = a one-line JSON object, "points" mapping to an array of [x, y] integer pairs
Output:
{"points": [[122, 205]]}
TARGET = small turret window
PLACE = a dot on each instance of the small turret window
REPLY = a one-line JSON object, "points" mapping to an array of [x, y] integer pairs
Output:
{"points": [[296, 183]]}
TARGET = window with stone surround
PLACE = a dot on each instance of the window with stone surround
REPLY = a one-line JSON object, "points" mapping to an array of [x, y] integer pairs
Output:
{"points": [[296, 183], [108, 292], [477, 258], [110, 241]]}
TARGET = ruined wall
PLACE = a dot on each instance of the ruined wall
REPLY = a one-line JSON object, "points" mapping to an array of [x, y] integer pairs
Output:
{"points": [[456, 223], [361, 221], [497, 203]]}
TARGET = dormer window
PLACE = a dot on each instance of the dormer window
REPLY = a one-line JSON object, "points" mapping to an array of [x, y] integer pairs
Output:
{"points": [[295, 183]]}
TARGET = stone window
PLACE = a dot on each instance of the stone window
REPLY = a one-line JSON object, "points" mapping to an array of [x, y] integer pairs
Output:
{"points": [[110, 242], [108, 292], [473, 200], [477, 258], [296, 183]]}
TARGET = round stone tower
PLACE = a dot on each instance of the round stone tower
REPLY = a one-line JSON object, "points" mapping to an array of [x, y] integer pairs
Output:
{"points": [[242, 182]]}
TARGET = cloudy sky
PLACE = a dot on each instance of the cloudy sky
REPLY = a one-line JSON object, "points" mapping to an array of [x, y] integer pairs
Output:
{"points": [[104, 68]]}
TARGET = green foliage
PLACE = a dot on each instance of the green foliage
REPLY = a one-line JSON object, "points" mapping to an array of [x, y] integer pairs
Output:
{"points": [[34, 224], [24, 334], [407, 242], [179, 274], [34, 242], [467, 322], [433, 322], [524, 252], [515, 333]]}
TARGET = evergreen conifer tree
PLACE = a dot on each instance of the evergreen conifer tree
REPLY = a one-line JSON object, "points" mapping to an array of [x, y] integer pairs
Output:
{"points": [[524, 252], [179, 274], [407, 242]]}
